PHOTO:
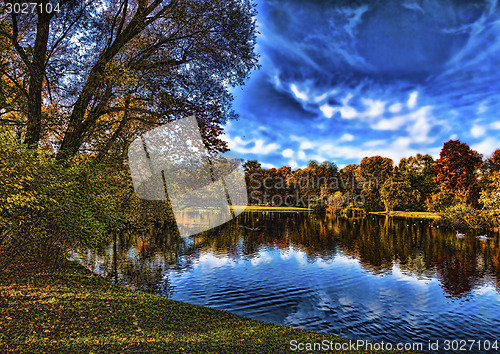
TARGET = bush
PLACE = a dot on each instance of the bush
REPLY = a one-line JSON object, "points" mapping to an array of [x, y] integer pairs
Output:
{"points": [[464, 216], [47, 206]]}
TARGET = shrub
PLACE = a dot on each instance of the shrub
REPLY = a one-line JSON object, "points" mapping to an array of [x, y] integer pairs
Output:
{"points": [[47, 206], [464, 216]]}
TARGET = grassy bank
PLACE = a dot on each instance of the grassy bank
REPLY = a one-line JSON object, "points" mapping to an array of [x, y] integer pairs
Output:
{"points": [[270, 208], [408, 214], [77, 311]]}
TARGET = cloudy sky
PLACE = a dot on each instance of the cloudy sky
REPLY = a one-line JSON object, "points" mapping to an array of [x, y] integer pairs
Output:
{"points": [[341, 80]]}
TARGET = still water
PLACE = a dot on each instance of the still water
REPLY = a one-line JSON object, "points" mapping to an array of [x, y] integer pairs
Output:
{"points": [[371, 278]]}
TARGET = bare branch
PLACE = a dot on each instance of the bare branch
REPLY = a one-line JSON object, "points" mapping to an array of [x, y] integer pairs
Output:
{"points": [[17, 46]]}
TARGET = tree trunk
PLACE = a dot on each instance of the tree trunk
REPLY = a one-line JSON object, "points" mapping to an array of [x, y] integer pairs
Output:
{"points": [[37, 74]]}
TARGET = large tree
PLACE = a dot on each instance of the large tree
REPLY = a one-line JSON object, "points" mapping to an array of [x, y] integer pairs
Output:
{"points": [[373, 172], [457, 171], [98, 73], [419, 172]]}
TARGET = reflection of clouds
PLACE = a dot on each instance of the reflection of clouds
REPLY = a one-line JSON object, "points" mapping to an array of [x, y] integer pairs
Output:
{"points": [[374, 310], [262, 257], [209, 260], [343, 260], [487, 290], [346, 301], [293, 253], [409, 278]]}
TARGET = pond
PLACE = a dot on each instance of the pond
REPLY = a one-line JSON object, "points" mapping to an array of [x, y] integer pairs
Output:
{"points": [[372, 278]]}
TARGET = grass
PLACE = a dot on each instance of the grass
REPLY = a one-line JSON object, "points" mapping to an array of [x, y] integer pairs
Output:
{"points": [[76, 311], [409, 214]]}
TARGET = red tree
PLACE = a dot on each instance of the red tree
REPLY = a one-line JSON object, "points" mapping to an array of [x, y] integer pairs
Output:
{"points": [[456, 170]]}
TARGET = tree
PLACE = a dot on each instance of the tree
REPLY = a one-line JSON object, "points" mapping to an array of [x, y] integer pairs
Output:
{"points": [[254, 175], [394, 193], [419, 172], [347, 179], [312, 164], [494, 161], [490, 199], [97, 74], [456, 170], [373, 172]]}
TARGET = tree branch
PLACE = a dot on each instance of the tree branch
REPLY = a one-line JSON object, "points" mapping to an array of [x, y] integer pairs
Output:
{"points": [[17, 46]]}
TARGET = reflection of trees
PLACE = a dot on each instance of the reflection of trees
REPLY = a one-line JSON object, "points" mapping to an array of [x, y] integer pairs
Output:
{"points": [[457, 278], [143, 259]]}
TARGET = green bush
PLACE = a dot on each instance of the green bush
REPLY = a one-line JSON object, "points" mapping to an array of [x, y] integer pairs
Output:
{"points": [[47, 206]]}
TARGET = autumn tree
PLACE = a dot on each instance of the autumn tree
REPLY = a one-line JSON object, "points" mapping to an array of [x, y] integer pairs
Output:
{"points": [[490, 199], [494, 161], [457, 171], [375, 170], [97, 74], [347, 179], [254, 174], [419, 172], [396, 193]]}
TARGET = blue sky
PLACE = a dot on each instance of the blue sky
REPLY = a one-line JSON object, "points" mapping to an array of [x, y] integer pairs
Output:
{"points": [[341, 80]]}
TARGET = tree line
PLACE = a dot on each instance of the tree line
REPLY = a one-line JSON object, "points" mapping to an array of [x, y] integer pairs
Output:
{"points": [[461, 185]]}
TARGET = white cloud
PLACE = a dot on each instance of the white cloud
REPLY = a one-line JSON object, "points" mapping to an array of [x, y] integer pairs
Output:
{"points": [[393, 123], [495, 125], [347, 98], [305, 144], [324, 96], [287, 153], [348, 112], [302, 155], [346, 137], [328, 111], [267, 165], [299, 94], [423, 120], [403, 142], [487, 146], [482, 108], [477, 131], [293, 164], [276, 80], [412, 101], [395, 108], [238, 145], [375, 108]]}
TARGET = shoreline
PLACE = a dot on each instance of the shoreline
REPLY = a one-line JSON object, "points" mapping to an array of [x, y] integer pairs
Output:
{"points": [[75, 310], [408, 214]]}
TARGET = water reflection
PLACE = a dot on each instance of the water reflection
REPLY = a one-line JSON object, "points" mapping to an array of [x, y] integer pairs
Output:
{"points": [[373, 278]]}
